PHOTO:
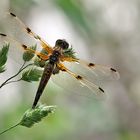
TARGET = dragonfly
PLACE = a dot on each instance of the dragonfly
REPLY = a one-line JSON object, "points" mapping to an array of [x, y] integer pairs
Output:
{"points": [[60, 64]]}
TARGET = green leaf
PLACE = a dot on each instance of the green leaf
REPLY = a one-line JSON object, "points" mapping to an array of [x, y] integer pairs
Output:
{"points": [[31, 74], [3, 57], [2, 69], [69, 53], [33, 116], [39, 62], [76, 13], [28, 55]]}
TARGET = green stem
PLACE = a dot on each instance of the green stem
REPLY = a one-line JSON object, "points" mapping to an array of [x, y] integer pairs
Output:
{"points": [[20, 70], [13, 81], [9, 128], [12, 76]]}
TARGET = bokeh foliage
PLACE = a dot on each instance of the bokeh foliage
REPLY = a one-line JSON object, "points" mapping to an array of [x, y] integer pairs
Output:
{"points": [[118, 117]]}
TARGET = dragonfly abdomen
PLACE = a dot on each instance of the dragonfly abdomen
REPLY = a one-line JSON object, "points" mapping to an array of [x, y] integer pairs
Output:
{"points": [[48, 70], [44, 80]]}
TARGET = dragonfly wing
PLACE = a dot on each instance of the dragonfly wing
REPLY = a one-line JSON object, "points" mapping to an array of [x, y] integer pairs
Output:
{"points": [[15, 50], [100, 71], [20, 52], [95, 74], [78, 86], [83, 71], [14, 27]]}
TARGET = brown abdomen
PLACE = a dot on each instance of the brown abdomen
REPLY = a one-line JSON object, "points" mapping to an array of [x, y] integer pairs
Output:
{"points": [[48, 70]]}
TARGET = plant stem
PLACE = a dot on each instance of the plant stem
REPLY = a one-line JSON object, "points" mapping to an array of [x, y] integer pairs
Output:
{"points": [[20, 70], [13, 81], [9, 128]]}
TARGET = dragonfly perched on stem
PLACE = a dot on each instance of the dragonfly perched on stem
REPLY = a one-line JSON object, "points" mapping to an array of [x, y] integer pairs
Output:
{"points": [[53, 61]]}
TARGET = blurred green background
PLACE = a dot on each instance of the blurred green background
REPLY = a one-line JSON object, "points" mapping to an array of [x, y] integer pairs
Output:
{"points": [[102, 31]]}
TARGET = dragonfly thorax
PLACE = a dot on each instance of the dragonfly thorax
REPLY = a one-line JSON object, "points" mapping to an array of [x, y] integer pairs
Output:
{"points": [[54, 58]]}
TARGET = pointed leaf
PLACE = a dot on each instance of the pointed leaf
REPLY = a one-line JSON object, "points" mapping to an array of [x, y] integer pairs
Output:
{"points": [[31, 74], [28, 55], [33, 116], [3, 54]]}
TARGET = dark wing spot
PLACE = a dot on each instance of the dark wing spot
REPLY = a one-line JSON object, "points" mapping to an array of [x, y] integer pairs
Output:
{"points": [[91, 65], [63, 69], [101, 89], [79, 77], [37, 37], [24, 46], [12, 14], [3, 34], [113, 69], [38, 56], [28, 30]]}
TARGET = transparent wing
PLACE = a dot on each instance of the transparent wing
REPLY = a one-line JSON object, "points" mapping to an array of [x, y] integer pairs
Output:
{"points": [[100, 71], [14, 27], [85, 78], [16, 49], [78, 85], [11, 27], [93, 72]]}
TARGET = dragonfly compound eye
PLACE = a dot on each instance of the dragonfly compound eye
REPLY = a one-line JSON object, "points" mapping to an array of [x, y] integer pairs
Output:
{"points": [[62, 43]]}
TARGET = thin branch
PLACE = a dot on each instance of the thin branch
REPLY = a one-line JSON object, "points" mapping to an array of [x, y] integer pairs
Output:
{"points": [[20, 70], [14, 81], [9, 128]]}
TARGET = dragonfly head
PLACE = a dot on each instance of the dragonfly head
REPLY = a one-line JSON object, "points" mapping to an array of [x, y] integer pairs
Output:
{"points": [[62, 44]]}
